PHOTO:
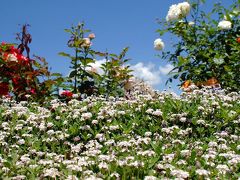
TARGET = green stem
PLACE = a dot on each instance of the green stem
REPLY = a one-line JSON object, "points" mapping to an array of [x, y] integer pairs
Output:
{"points": [[75, 68]]}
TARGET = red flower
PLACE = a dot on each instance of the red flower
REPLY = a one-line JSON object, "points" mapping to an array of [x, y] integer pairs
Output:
{"points": [[33, 91], [4, 89], [67, 93], [16, 80], [238, 40], [14, 50]]}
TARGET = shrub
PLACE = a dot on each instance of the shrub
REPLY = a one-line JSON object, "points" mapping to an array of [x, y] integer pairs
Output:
{"points": [[84, 78], [206, 47], [19, 74]]}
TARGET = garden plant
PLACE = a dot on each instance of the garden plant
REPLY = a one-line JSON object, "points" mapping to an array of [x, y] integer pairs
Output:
{"points": [[206, 45], [109, 125]]}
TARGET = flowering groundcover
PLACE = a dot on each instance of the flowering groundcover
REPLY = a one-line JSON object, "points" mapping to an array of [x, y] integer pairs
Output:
{"points": [[148, 136]]}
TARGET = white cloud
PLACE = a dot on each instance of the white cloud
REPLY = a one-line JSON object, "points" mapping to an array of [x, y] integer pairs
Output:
{"points": [[165, 69], [97, 66], [148, 73]]}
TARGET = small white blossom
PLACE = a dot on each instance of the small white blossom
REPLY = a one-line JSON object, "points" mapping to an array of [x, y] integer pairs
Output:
{"points": [[52, 172], [158, 44], [202, 172], [87, 115], [147, 134], [191, 23], [21, 141], [222, 168], [224, 25]]}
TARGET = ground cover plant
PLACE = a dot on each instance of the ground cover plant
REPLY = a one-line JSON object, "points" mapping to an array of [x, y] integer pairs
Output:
{"points": [[192, 136]]}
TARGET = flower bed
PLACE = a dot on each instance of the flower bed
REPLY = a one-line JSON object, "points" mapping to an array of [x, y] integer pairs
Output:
{"points": [[192, 136]]}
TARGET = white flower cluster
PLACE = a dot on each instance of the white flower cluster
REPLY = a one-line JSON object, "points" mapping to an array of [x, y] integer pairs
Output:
{"points": [[71, 140], [158, 44], [224, 25], [178, 11]]}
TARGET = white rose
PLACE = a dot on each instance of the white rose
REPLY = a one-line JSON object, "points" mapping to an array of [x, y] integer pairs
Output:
{"points": [[224, 25], [173, 13], [158, 44], [12, 57], [87, 42], [177, 11], [185, 8]]}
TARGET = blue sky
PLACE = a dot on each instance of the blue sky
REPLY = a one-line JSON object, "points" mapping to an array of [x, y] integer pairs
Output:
{"points": [[116, 24]]}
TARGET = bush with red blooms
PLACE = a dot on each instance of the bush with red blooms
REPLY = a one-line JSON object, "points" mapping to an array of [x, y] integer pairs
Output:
{"points": [[22, 77], [15, 71], [19, 75]]}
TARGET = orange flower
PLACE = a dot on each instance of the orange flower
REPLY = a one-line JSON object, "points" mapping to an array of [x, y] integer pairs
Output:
{"points": [[211, 82], [238, 40], [186, 84]]}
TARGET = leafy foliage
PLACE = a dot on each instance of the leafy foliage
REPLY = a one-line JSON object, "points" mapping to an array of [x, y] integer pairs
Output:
{"points": [[20, 75], [195, 135], [84, 76], [81, 78], [203, 48], [115, 75]]}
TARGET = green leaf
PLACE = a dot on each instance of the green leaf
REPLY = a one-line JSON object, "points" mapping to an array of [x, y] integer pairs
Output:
{"points": [[67, 30], [64, 54], [72, 74], [87, 61], [56, 74], [182, 60], [123, 53]]}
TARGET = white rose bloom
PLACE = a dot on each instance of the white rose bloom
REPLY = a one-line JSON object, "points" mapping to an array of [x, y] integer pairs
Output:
{"points": [[185, 8], [225, 25], [177, 11], [12, 57], [158, 44], [87, 42], [173, 13]]}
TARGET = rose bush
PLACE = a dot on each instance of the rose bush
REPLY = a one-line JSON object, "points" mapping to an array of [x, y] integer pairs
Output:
{"points": [[20, 76], [205, 47], [14, 70], [81, 80], [84, 78]]}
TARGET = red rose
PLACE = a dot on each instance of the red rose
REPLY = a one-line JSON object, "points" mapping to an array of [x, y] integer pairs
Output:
{"points": [[4, 89], [33, 91], [67, 93]]}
